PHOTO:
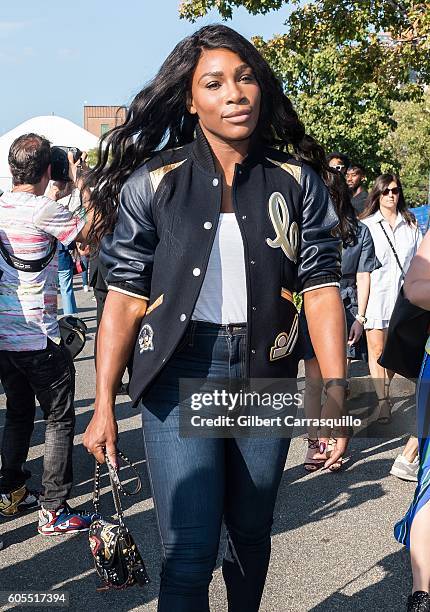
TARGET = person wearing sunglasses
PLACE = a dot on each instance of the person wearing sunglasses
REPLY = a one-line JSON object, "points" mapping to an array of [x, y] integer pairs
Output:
{"points": [[338, 161], [396, 237]]}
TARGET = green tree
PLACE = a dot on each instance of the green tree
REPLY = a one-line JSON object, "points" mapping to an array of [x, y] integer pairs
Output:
{"points": [[92, 156], [410, 146], [344, 63]]}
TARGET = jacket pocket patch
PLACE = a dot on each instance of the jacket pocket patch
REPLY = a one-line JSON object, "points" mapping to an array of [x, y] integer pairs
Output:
{"points": [[145, 339], [285, 342]]}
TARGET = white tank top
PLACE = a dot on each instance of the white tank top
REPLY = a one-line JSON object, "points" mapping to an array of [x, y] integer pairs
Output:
{"points": [[222, 297]]}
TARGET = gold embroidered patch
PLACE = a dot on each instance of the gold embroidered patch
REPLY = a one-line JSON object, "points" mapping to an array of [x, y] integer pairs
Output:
{"points": [[287, 295], [157, 175], [284, 342], [155, 304], [287, 235], [295, 171]]}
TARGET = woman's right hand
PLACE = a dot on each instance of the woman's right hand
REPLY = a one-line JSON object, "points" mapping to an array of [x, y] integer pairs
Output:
{"points": [[101, 435], [355, 333]]}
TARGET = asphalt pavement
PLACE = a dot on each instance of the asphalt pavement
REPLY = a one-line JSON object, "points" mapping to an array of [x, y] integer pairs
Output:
{"points": [[332, 548]]}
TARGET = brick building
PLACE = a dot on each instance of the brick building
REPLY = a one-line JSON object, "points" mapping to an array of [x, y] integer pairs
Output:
{"points": [[100, 119]]}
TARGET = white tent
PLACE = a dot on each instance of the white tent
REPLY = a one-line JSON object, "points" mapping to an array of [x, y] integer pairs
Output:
{"points": [[57, 130]]}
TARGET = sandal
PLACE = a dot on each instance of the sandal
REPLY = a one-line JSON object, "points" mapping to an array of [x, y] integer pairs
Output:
{"points": [[385, 419], [387, 392], [311, 464]]}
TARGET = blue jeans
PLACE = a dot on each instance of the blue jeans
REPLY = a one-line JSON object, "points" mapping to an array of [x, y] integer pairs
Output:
{"points": [[198, 482], [65, 278]]}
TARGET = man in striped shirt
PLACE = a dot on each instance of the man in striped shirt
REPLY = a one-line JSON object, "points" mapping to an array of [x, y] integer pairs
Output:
{"points": [[33, 361]]}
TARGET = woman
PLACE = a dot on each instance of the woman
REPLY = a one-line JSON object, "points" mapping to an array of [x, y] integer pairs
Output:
{"points": [[207, 233], [358, 261], [414, 529], [396, 237]]}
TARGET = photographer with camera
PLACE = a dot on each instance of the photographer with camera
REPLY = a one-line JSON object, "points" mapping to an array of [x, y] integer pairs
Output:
{"points": [[33, 360]]}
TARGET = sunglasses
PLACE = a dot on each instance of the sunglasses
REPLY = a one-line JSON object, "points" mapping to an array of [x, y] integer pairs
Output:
{"points": [[338, 167], [387, 190]]}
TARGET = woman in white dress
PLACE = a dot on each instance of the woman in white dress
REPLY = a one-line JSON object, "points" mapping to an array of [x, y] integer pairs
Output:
{"points": [[396, 237]]}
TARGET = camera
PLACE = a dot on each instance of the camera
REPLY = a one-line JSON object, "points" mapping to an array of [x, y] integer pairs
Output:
{"points": [[60, 162]]}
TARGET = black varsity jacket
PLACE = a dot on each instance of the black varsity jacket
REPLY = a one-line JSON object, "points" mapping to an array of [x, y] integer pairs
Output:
{"points": [[159, 251]]}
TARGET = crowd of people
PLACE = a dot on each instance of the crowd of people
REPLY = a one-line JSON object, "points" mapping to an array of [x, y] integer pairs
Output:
{"points": [[206, 211]]}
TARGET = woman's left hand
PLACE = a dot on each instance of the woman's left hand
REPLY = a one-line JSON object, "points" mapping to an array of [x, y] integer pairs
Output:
{"points": [[338, 452], [355, 333], [331, 455], [332, 409]]}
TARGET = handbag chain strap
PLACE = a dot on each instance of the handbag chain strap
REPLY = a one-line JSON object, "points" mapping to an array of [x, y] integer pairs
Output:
{"points": [[116, 485], [392, 248]]}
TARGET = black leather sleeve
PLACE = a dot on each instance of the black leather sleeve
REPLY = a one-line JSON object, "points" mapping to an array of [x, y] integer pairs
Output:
{"points": [[320, 252], [129, 253], [368, 260]]}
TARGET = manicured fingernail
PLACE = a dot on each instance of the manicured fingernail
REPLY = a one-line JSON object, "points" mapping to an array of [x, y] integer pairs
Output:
{"points": [[323, 446]]}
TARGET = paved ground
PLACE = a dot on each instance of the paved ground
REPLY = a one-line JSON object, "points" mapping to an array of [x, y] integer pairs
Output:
{"points": [[333, 547]]}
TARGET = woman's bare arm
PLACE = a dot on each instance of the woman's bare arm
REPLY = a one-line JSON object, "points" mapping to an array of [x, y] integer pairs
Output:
{"points": [[326, 321], [325, 316], [417, 281], [116, 338], [363, 291]]}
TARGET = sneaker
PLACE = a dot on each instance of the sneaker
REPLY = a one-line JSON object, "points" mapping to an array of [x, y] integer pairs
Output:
{"points": [[18, 501], [64, 520], [86, 288], [419, 602], [404, 470]]}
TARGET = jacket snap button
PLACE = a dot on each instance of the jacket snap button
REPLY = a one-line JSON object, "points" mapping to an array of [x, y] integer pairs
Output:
{"points": [[196, 272], [215, 182], [183, 317], [253, 351], [252, 262], [207, 225], [243, 217], [254, 308]]}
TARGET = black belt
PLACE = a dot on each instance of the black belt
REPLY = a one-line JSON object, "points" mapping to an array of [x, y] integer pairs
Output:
{"points": [[228, 327]]}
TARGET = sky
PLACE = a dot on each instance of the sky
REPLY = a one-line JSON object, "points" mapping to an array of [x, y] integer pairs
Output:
{"points": [[57, 56]]}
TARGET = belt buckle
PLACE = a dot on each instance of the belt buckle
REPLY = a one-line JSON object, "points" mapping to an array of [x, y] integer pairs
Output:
{"points": [[232, 327]]}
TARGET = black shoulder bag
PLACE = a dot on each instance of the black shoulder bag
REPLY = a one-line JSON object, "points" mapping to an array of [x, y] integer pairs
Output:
{"points": [[407, 333], [116, 557]]}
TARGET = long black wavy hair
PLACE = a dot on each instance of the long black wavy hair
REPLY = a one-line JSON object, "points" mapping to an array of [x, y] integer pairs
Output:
{"points": [[313, 154], [158, 119]]}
